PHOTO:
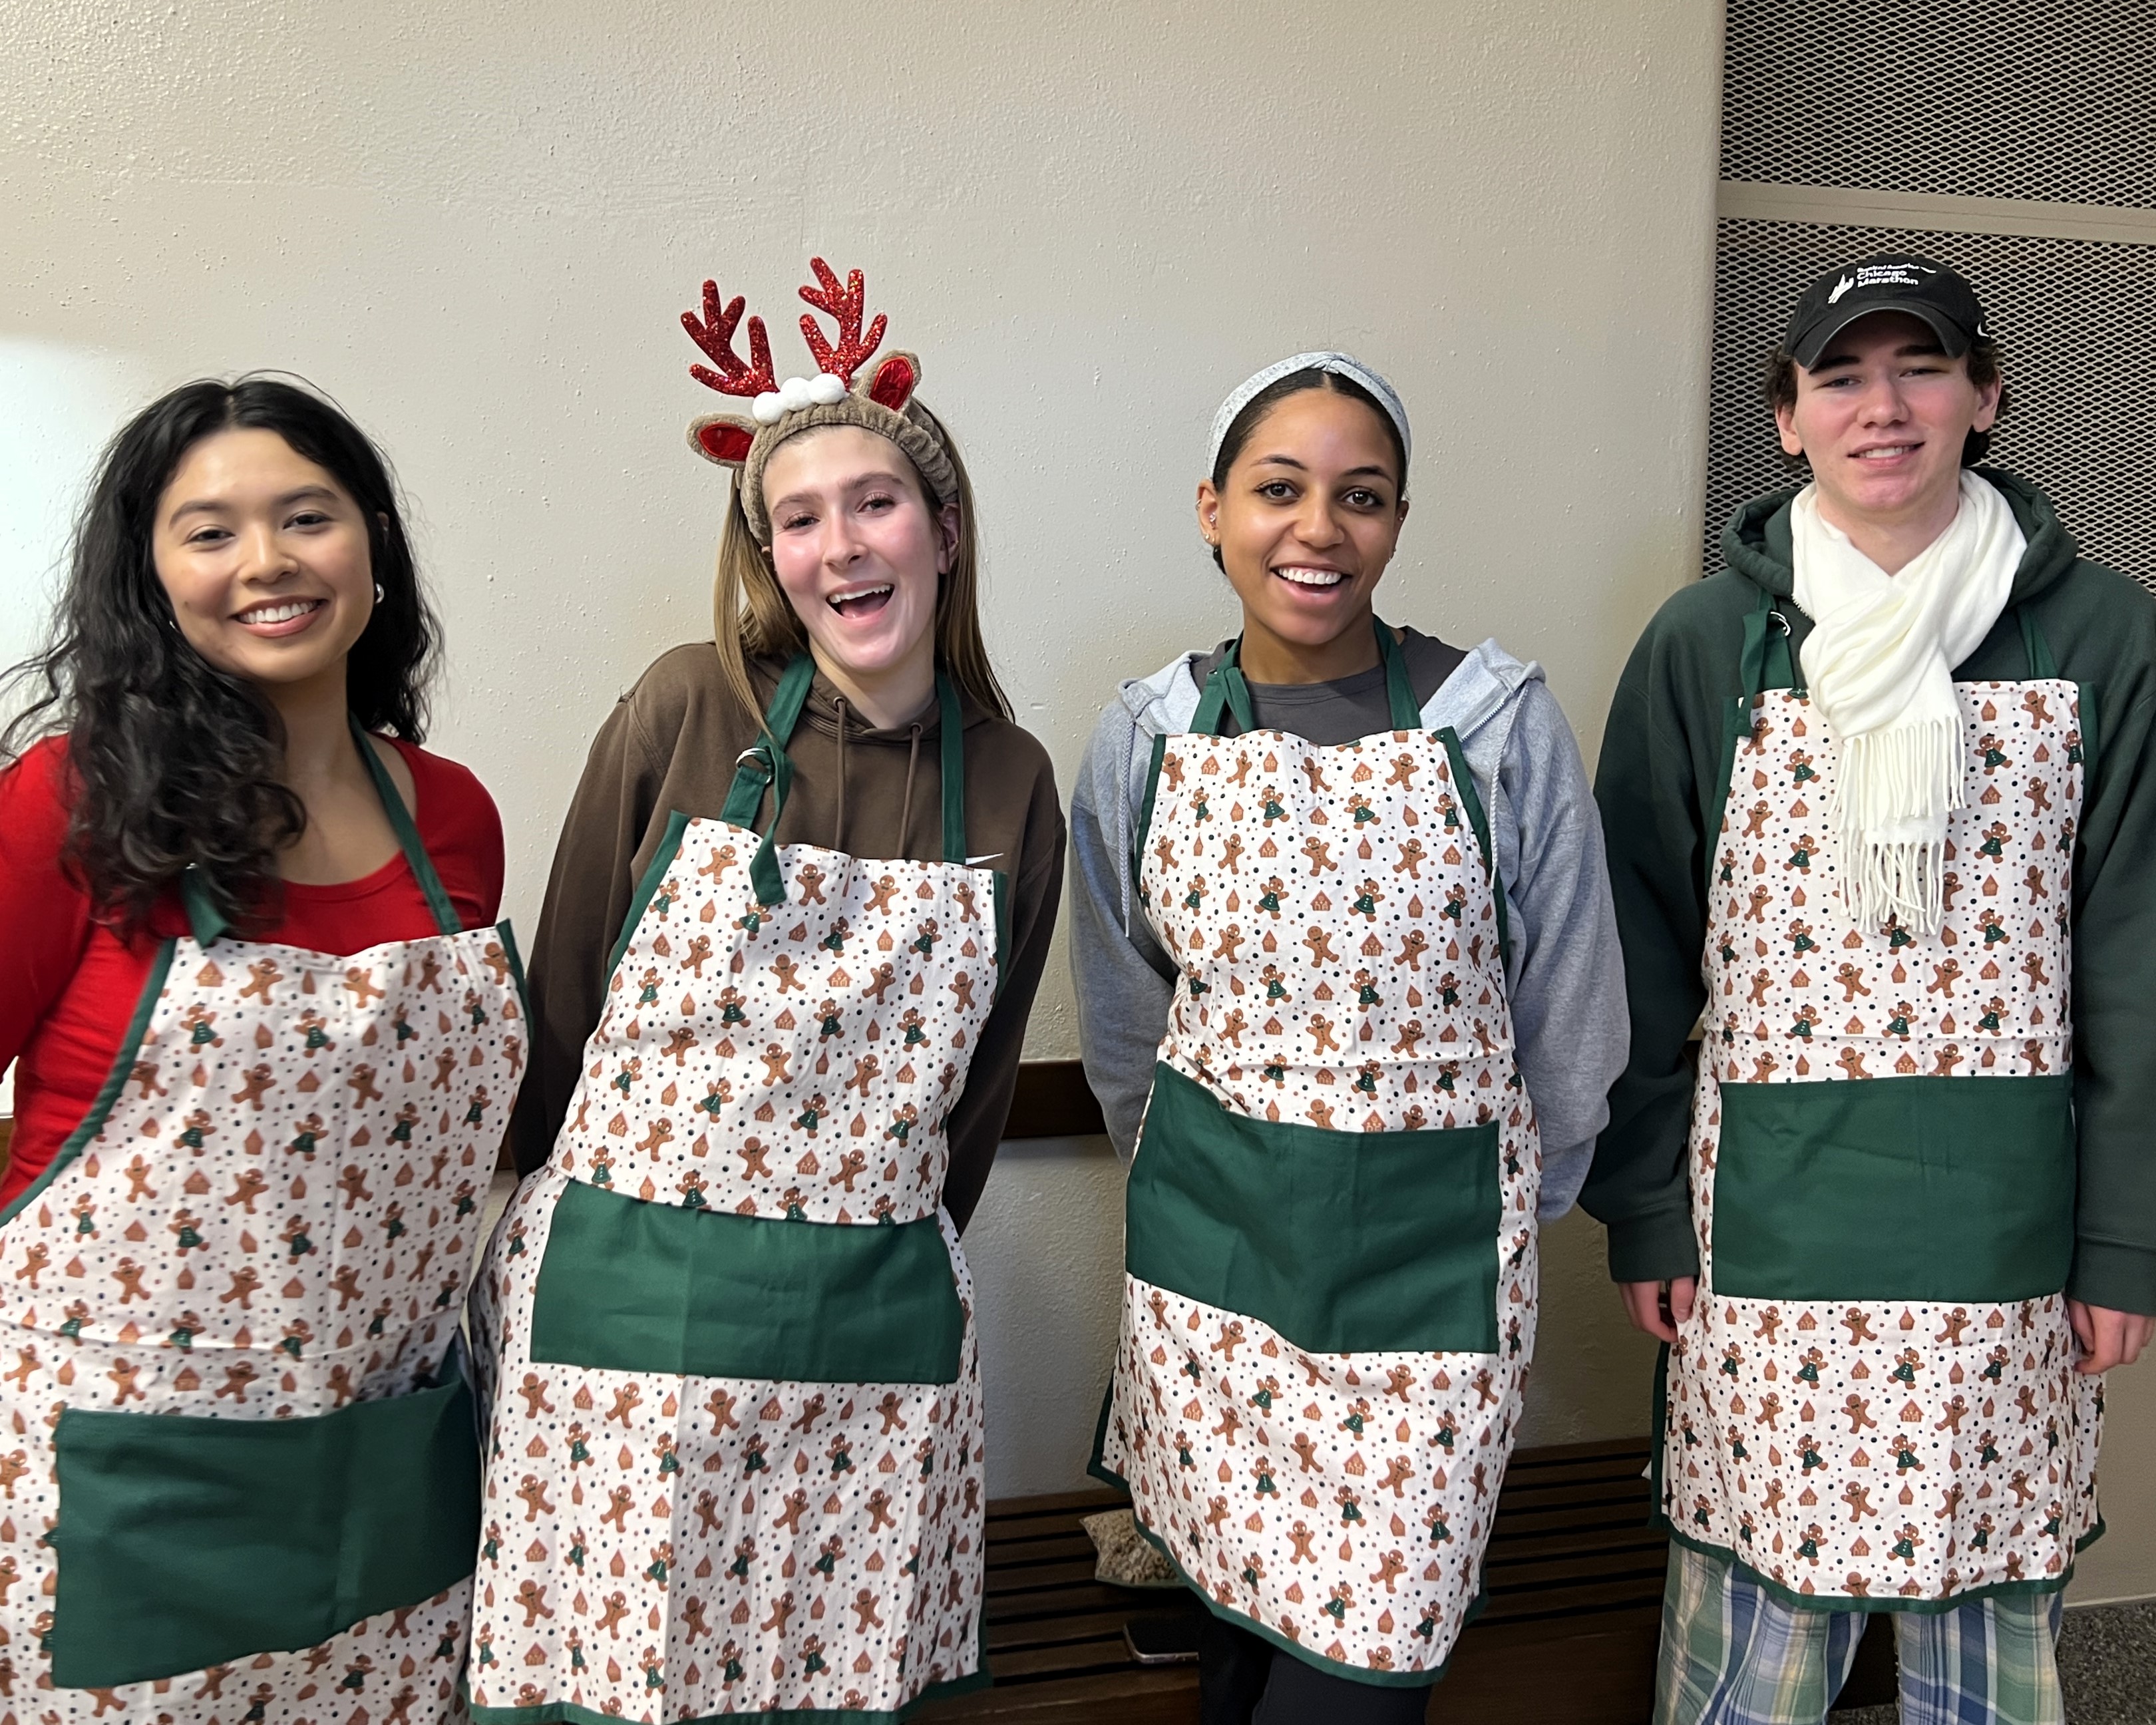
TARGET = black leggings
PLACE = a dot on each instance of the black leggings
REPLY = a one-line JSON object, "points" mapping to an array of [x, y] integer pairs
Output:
{"points": [[1242, 1681]]}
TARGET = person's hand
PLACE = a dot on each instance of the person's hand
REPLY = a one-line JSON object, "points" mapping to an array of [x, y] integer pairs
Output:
{"points": [[1658, 1308], [2108, 1338]]}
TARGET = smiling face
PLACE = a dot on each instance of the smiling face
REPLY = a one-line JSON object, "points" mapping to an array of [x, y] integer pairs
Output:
{"points": [[264, 557], [1305, 521], [1882, 418], [860, 557]]}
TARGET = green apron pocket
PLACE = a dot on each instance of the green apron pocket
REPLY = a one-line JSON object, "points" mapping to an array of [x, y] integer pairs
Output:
{"points": [[186, 1543], [1895, 1188], [630, 1286], [1343, 1242]]}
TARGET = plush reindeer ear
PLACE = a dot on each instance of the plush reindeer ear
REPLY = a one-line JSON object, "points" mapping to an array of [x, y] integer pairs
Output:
{"points": [[895, 381], [722, 439]]}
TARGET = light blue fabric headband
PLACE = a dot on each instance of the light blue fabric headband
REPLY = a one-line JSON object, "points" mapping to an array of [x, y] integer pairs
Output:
{"points": [[1342, 365]]}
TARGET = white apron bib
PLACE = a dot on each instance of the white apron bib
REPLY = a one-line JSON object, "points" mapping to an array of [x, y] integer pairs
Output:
{"points": [[1330, 1239], [1874, 1403], [239, 1456], [727, 1332]]}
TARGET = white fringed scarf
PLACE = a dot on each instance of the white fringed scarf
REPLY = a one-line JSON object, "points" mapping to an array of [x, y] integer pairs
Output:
{"points": [[1879, 663]]}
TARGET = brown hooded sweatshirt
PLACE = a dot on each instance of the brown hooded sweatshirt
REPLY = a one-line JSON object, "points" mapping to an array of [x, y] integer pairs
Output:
{"points": [[670, 744]]}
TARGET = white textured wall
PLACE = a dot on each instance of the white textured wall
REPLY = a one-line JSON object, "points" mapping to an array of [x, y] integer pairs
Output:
{"points": [[476, 222]]}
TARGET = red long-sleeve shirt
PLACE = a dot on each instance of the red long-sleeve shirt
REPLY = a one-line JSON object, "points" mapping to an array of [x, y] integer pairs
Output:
{"points": [[69, 985]]}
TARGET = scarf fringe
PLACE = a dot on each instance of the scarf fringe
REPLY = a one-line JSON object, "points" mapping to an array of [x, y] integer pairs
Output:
{"points": [[1893, 879], [1891, 778], [1899, 774], [1894, 779]]}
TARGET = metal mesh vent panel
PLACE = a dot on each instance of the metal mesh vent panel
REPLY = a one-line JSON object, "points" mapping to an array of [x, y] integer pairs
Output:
{"points": [[2076, 324], [2041, 98]]}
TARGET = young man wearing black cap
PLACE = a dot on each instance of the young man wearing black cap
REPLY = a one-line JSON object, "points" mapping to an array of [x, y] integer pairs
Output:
{"points": [[1881, 1171]]}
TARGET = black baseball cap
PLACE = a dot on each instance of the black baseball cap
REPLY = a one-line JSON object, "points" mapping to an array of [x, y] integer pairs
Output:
{"points": [[1893, 281]]}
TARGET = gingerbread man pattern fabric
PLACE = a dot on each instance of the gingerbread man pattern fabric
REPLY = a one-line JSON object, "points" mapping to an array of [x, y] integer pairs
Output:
{"points": [[246, 1270], [1874, 1399], [738, 1510], [1319, 1446]]}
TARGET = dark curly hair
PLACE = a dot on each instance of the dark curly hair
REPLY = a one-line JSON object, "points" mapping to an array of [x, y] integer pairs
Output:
{"points": [[174, 764]]}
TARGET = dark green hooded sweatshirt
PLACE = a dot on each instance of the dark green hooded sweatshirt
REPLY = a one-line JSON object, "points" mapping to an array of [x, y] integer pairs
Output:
{"points": [[1656, 785]]}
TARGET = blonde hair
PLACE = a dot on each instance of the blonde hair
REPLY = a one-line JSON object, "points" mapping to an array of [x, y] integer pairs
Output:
{"points": [[752, 618]]}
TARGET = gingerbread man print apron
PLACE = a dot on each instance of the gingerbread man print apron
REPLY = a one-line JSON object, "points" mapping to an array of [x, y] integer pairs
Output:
{"points": [[1329, 1306], [1874, 1403], [237, 1447], [735, 1458]]}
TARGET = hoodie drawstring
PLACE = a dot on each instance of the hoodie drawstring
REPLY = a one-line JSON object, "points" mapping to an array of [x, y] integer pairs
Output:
{"points": [[905, 806], [838, 821]]}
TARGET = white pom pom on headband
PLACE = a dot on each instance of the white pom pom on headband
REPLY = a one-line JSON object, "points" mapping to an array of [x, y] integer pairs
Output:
{"points": [[1341, 365], [821, 391]]}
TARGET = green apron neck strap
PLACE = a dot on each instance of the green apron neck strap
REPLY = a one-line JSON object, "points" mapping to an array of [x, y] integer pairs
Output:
{"points": [[952, 724], [1766, 661], [208, 924], [1228, 689], [2042, 666], [446, 920], [205, 922], [1225, 689], [1478, 820], [764, 764], [1399, 692]]}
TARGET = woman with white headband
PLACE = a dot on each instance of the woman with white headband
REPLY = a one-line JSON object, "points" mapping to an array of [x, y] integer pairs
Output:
{"points": [[1348, 985]]}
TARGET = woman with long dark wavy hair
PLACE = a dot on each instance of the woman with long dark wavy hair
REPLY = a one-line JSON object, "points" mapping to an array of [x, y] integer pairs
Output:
{"points": [[265, 1031]]}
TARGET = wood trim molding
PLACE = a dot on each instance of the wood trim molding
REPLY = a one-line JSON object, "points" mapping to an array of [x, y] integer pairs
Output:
{"points": [[1933, 213], [1053, 1100]]}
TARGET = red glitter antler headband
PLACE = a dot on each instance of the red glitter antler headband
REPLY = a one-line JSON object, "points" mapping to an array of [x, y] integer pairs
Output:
{"points": [[715, 335], [729, 439], [843, 306]]}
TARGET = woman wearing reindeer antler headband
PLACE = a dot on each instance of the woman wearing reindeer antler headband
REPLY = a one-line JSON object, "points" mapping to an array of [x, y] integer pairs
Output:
{"points": [[797, 917], [1342, 944]]}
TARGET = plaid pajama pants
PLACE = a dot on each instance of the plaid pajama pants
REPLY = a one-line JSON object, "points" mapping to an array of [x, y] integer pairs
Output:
{"points": [[1734, 1654]]}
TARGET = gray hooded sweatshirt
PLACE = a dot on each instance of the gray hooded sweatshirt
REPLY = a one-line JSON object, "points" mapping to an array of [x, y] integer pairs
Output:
{"points": [[1565, 971]]}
